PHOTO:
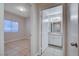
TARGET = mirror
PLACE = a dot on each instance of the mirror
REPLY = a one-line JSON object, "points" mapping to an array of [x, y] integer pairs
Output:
{"points": [[56, 27]]}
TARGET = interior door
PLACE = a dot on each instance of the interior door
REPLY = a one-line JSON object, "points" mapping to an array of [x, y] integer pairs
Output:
{"points": [[73, 30], [44, 34]]}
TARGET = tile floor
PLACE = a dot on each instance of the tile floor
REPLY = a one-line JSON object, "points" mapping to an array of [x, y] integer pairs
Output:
{"points": [[53, 51]]}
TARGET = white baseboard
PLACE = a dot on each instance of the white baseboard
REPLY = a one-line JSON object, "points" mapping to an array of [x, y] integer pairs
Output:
{"points": [[7, 41]]}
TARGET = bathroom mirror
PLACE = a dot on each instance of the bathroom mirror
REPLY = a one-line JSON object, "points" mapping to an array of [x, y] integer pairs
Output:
{"points": [[56, 26]]}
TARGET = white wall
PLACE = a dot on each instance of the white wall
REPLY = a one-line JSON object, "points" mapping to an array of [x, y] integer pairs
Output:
{"points": [[1, 29], [28, 27], [34, 39]]}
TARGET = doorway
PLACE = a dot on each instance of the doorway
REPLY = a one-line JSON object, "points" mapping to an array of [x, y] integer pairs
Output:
{"points": [[61, 34], [17, 29], [52, 31]]}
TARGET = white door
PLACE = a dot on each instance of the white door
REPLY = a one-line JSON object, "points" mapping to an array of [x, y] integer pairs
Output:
{"points": [[73, 30], [44, 35]]}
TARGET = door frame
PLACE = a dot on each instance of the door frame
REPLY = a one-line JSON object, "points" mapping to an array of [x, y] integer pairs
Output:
{"points": [[64, 26], [78, 29], [1, 29]]}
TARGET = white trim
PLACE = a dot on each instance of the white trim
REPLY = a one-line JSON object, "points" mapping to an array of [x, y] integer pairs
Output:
{"points": [[1, 29], [12, 40], [78, 29]]}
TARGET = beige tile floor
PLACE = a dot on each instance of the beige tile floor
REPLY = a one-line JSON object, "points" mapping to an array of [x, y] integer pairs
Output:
{"points": [[17, 48], [53, 51]]}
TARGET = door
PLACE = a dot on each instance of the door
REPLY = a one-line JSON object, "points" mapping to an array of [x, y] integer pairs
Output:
{"points": [[44, 34], [73, 30]]}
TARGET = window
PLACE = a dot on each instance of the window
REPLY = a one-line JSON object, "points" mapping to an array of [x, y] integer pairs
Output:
{"points": [[7, 26], [14, 26], [10, 26]]}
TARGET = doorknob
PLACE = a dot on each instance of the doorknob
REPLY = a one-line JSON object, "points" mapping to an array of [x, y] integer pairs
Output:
{"points": [[74, 44]]}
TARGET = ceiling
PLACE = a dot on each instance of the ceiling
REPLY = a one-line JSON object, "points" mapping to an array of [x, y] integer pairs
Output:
{"points": [[47, 5], [21, 9], [53, 11]]}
